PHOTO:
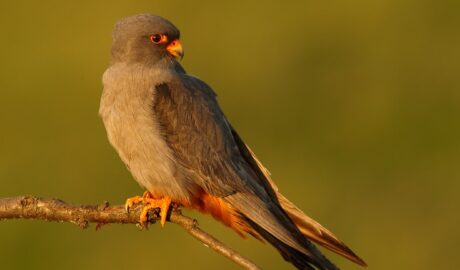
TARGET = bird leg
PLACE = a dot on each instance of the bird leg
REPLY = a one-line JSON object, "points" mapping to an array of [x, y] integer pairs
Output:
{"points": [[150, 203]]}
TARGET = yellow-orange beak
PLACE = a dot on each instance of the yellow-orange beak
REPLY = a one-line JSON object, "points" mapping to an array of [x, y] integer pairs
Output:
{"points": [[175, 49]]}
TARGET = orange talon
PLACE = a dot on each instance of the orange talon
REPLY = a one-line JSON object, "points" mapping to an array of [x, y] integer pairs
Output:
{"points": [[149, 204], [164, 210]]}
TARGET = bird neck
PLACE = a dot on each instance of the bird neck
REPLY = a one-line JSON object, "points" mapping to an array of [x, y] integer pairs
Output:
{"points": [[165, 63]]}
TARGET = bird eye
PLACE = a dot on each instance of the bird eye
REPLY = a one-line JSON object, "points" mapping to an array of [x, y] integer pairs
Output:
{"points": [[158, 38]]}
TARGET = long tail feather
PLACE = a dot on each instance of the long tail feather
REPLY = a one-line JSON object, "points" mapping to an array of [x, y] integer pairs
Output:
{"points": [[316, 232], [309, 227], [299, 259]]}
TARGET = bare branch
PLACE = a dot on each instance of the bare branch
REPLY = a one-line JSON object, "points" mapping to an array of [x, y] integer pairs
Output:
{"points": [[29, 207]]}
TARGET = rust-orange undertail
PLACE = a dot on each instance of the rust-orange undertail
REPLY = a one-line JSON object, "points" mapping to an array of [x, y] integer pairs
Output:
{"points": [[225, 213]]}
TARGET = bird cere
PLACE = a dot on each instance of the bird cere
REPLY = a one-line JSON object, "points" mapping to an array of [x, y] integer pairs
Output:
{"points": [[168, 128]]}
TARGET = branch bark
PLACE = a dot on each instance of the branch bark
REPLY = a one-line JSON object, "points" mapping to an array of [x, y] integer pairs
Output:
{"points": [[29, 207]]}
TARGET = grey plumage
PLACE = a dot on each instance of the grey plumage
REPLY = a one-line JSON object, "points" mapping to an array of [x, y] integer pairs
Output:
{"points": [[171, 133], [202, 141]]}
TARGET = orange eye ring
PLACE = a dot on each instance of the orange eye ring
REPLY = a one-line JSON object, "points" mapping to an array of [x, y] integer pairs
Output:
{"points": [[158, 38]]}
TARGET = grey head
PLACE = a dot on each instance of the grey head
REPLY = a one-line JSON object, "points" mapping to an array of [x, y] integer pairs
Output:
{"points": [[145, 39]]}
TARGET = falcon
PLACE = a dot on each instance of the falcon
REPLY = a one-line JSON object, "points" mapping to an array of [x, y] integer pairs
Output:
{"points": [[169, 130]]}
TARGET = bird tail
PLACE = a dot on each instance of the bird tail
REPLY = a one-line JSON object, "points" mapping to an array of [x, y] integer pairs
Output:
{"points": [[316, 232], [299, 259], [305, 228], [247, 213], [308, 226]]}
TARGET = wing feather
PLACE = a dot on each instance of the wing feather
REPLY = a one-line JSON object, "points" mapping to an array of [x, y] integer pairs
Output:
{"points": [[195, 130], [211, 153]]}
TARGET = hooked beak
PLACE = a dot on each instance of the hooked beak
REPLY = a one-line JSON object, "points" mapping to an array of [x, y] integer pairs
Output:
{"points": [[175, 49]]}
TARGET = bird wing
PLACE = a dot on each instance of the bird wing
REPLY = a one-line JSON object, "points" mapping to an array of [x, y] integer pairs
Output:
{"points": [[203, 142], [195, 129]]}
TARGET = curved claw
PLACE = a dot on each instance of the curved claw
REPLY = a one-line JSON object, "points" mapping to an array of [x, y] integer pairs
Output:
{"points": [[130, 202]]}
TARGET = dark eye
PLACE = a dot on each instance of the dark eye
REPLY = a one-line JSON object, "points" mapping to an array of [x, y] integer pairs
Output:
{"points": [[158, 38]]}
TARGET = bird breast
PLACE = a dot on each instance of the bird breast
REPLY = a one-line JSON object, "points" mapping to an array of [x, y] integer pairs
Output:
{"points": [[126, 110]]}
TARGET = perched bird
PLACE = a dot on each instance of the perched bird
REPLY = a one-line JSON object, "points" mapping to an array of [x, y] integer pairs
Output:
{"points": [[169, 130]]}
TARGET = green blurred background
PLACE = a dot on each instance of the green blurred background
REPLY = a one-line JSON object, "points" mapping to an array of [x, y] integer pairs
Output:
{"points": [[352, 105]]}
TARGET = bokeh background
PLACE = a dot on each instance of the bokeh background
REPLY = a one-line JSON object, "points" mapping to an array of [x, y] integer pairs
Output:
{"points": [[352, 105]]}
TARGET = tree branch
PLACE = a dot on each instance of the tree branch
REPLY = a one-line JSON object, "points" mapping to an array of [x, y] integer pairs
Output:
{"points": [[29, 207]]}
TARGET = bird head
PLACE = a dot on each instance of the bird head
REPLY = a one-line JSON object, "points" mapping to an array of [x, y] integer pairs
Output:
{"points": [[146, 38]]}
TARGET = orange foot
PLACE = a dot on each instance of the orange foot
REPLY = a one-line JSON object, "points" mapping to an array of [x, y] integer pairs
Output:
{"points": [[149, 203]]}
